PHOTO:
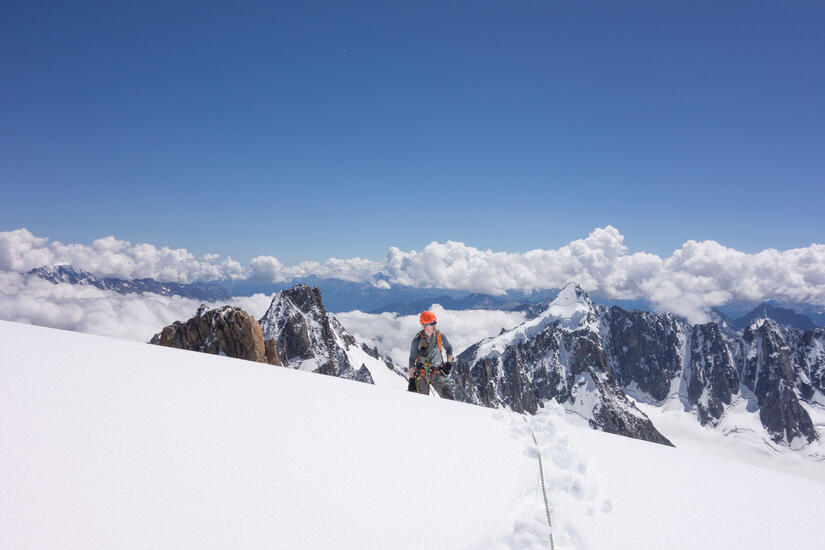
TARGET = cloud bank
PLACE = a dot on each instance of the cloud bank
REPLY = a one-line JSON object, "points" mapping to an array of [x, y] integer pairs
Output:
{"points": [[20, 251], [695, 278], [135, 317]]}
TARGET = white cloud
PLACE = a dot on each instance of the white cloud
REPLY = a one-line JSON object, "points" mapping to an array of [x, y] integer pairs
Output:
{"points": [[138, 316], [21, 251], [392, 334], [88, 309], [696, 277], [271, 270]]}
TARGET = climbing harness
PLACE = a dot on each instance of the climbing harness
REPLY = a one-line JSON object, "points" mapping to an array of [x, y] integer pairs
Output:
{"points": [[543, 490], [426, 370]]}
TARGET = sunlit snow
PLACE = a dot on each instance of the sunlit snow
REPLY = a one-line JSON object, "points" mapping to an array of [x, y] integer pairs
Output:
{"points": [[114, 444]]}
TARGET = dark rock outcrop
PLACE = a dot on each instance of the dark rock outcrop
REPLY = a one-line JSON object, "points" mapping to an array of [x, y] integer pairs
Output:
{"points": [[768, 371], [644, 349], [711, 376], [227, 330]]}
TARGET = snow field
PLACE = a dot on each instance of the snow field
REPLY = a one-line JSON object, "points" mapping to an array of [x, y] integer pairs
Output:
{"points": [[114, 444]]}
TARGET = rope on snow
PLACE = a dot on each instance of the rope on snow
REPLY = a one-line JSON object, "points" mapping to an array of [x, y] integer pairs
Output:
{"points": [[543, 489]]}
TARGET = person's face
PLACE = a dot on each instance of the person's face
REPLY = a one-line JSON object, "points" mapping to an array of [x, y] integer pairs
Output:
{"points": [[429, 328]]}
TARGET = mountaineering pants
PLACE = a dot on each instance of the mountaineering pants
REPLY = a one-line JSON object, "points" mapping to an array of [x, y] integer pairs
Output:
{"points": [[442, 386]]}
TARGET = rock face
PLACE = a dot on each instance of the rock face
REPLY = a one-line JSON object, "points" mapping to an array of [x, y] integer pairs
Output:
{"points": [[228, 331], [810, 355], [769, 372], [710, 374], [309, 338], [558, 355], [588, 358], [773, 368], [644, 349]]}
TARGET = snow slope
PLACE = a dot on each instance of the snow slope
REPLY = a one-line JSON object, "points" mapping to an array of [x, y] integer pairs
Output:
{"points": [[114, 444], [739, 436]]}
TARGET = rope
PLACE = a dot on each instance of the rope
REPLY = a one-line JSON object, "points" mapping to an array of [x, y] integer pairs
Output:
{"points": [[543, 489]]}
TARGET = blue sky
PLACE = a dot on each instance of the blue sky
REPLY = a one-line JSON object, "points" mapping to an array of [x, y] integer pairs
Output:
{"points": [[308, 130]]}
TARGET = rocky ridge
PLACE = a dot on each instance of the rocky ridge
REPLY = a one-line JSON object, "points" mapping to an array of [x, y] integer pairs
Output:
{"points": [[777, 371], [560, 356], [67, 274]]}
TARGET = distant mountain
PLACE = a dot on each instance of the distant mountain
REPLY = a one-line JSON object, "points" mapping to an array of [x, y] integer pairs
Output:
{"points": [[781, 315], [742, 312], [339, 295], [378, 296], [67, 274]]}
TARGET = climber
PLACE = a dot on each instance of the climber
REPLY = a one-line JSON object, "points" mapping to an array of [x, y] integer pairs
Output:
{"points": [[427, 365]]}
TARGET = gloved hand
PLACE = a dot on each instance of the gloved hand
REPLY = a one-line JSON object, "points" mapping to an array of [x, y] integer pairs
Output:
{"points": [[446, 368], [411, 385]]}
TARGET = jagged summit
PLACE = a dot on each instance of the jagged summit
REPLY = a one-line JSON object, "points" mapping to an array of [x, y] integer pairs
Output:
{"points": [[556, 356], [306, 298], [571, 292], [311, 339], [572, 307]]}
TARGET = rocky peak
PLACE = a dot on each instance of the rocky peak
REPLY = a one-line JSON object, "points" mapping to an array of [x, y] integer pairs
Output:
{"points": [[309, 338], [560, 356], [298, 321], [305, 298], [710, 373], [767, 366], [226, 330]]}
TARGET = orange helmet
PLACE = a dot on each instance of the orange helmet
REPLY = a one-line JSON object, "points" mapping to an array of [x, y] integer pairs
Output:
{"points": [[426, 317]]}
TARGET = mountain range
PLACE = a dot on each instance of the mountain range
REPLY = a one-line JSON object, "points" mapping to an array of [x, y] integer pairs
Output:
{"points": [[596, 361], [377, 296], [600, 364]]}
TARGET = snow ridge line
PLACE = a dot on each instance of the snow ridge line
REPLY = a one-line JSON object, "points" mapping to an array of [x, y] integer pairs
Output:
{"points": [[543, 489]]}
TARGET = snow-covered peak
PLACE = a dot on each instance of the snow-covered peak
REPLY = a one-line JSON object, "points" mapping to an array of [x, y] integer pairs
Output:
{"points": [[763, 325], [572, 306], [571, 293], [571, 309], [63, 273]]}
